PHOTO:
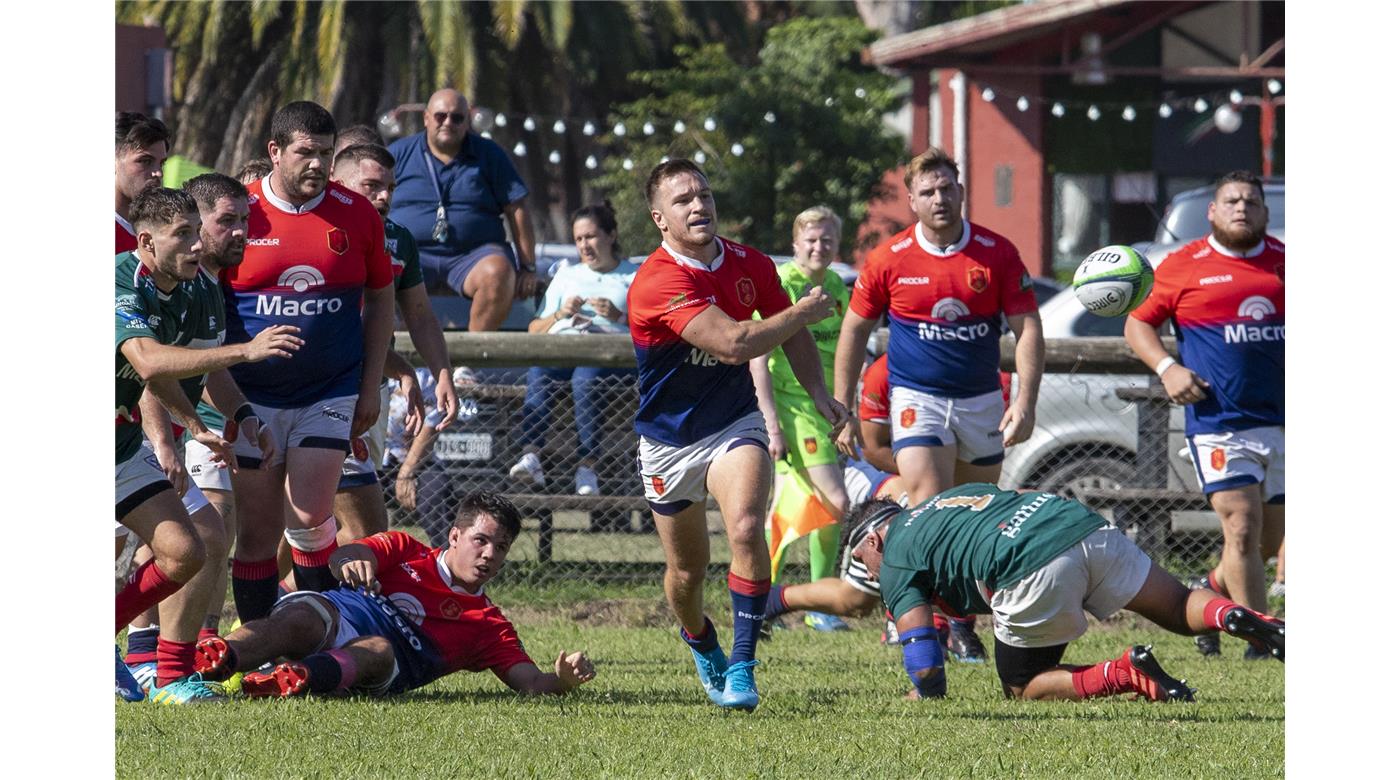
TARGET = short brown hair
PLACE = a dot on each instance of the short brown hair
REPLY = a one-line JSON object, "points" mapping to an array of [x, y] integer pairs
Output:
{"points": [[495, 505], [668, 169], [207, 188], [254, 169], [354, 154], [931, 159], [301, 116], [1240, 177], [357, 134], [137, 131], [161, 206]]}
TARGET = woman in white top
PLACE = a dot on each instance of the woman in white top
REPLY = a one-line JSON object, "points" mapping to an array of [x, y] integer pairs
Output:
{"points": [[587, 297]]}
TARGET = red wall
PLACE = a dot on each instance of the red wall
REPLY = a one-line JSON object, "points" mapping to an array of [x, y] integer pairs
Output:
{"points": [[132, 44], [1001, 135]]}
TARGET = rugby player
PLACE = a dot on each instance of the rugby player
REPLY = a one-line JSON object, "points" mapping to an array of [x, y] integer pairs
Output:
{"points": [[143, 143], [798, 436], [368, 168], [1224, 295], [161, 294], [408, 615], [690, 310], [1037, 563], [945, 284], [315, 254]]}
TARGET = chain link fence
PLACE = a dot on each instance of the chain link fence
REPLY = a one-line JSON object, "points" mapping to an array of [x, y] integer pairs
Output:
{"points": [[1108, 439]]}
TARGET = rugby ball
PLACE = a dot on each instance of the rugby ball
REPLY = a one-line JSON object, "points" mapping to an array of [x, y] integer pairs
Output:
{"points": [[1113, 281]]}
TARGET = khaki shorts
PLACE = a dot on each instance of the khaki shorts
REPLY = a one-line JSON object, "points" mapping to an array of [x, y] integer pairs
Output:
{"points": [[674, 477], [1100, 575]]}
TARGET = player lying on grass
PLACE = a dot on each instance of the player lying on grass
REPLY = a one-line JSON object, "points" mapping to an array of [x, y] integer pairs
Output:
{"points": [[1036, 562], [409, 615]]}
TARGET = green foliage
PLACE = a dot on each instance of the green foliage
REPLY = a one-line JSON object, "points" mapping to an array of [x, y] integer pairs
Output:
{"points": [[825, 145], [831, 708]]}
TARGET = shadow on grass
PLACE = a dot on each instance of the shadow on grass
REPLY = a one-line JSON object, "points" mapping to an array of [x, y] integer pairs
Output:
{"points": [[586, 697], [1168, 711]]}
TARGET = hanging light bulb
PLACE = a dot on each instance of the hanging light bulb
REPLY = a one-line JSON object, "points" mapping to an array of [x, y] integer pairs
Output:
{"points": [[710, 124], [1228, 119], [528, 124], [1200, 105], [1093, 113], [627, 164], [591, 162], [554, 156], [519, 149], [989, 94], [486, 134], [1058, 110], [588, 128], [699, 158], [678, 128], [1236, 96], [737, 150], [770, 117], [829, 102], [1022, 103], [500, 120], [648, 128], [860, 92], [1129, 113], [558, 127], [1275, 86], [619, 129], [1164, 111]]}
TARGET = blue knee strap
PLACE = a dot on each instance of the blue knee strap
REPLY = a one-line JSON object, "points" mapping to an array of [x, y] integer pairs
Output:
{"points": [[923, 661]]}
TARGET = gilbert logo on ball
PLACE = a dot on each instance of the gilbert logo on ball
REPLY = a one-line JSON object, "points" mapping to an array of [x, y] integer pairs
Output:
{"points": [[1113, 281]]}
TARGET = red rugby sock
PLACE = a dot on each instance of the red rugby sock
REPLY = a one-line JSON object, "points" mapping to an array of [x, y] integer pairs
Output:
{"points": [[145, 588]]}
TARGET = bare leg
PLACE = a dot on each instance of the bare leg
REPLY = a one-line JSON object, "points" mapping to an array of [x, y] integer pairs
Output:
{"points": [[360, 512], [1241, 567], [222, 501], [926, 471], [182, 613], [491, 287], [295, 631], [739, 480], [965, 472], [687, 549]]}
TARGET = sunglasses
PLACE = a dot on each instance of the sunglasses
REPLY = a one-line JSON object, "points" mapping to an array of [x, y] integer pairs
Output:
{"points": [[442, 116]]}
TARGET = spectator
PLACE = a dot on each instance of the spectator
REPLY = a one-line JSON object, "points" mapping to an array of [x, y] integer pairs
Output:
{"points": [[419, 483], [454, 186], [587, 297]]}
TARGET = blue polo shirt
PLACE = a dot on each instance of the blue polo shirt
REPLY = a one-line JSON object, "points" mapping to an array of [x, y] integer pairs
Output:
{"points": [[477, 185]]}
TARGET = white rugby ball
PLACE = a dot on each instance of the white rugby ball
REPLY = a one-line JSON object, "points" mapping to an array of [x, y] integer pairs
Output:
{"points": [[1113, 281]]}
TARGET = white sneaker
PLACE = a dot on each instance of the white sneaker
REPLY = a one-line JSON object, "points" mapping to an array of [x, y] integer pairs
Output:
{"points": [[528, 469], [585, 481]]}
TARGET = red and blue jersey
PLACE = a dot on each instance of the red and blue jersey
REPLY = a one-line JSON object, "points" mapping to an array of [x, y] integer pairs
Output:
{"points": [[455, 629], [686, 393], [1228, 312], [945, 307], [874, 404], [306, 266]]}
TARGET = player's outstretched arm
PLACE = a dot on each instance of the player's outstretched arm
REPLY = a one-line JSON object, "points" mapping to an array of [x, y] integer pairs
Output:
{"points": [[155, 423], [735, 343], [570, 671], [356, 566], [923, 653], [153, 360]]}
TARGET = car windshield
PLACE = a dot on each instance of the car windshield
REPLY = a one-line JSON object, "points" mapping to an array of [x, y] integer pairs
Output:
{"points": [[1185, 219]]}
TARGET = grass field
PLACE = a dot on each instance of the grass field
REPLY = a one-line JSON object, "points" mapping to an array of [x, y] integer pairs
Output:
{"points": [[831, 707]]}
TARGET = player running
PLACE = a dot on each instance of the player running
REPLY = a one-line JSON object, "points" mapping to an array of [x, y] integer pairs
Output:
{"points": [[160, 295], [1036, 562], [315, 255], [690, 310], [368, 168], [415, 614], [1224, 295], [945, 284], [799, 437]]}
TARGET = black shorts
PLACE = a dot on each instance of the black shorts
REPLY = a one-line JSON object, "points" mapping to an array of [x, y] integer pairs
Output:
{"points": [[1017, 666]]}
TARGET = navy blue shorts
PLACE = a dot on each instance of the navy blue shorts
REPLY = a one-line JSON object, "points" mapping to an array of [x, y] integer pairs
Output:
{"points": [[453, 270]]}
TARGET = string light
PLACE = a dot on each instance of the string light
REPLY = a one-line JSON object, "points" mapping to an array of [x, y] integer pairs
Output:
{"points": [[1275, 86], [700, 158], [1058, 109], [860, 92], [554, 156], [1093, 113], [665, 158], [648, 128], [770, 117], [1200, 105], [1164, 111], [829, 102], [1129, 113], [710, 124], [486, 134], [588, 128], [529, 124], [519, 149], [1236, 96], [989, 94], [737, 150], [627, 164], [1022, 103], [591, 163], [619, 130], [500, 120], [558, 127], [679, 127]]}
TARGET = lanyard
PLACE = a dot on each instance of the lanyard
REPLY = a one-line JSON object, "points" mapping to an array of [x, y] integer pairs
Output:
{"points": [[440, 227]]}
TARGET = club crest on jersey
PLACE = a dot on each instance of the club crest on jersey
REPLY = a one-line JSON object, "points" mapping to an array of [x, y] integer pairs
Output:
{"points": [[1217, 459], [907, 417], [450, 609], [978, 278], [810, 445], [747, 291], [338, 240]]}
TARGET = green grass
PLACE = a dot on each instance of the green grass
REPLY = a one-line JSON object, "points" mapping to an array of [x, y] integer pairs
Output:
{"points": [[831, 707]]}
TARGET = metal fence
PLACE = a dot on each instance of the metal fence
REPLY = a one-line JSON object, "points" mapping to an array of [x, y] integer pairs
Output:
{"points": [[1105, 434]]}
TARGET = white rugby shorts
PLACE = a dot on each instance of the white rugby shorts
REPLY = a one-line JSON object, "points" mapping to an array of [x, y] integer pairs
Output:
{"points": [[1100, 575], [367, 451], [324, 424], [199, 464], [919, 419], [194, 498], [674, 477], [1234, 459]]}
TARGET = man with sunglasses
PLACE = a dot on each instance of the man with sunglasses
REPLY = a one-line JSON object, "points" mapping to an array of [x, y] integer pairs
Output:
{"points": [[1037, 563], [453, 188]]}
